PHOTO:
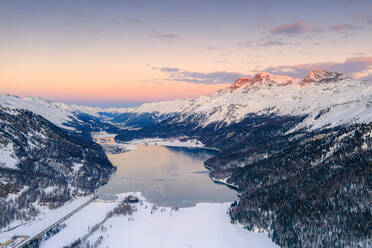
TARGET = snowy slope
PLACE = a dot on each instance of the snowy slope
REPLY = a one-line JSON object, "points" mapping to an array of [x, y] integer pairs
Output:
{"points": [[326, 98], [205, 225], [58, 113], [43, 164], [7, 158], [47, 217]]}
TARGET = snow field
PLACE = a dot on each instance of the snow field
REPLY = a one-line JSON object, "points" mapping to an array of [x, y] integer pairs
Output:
{"points": [[205, 225]]}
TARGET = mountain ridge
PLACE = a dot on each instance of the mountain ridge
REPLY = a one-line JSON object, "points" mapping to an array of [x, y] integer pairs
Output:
{"points": [[44, 165], [333, 93]]}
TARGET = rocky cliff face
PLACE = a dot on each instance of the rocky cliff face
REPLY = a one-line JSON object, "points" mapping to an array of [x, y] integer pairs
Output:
{"points": [[322, 76]]}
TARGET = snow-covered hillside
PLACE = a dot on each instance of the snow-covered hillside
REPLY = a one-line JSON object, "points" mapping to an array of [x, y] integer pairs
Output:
{"points": [[205, 225], [58, 113], [41, 164], [326, 98]]}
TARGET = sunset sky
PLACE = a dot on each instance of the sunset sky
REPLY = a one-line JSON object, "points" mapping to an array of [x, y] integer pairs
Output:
{"points": [[114, 53]]}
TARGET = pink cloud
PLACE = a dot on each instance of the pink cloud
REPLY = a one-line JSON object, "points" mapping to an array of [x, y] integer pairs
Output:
{"points": [[354, 66], [341, 27], [295, 28], [364, 18], [360, 17], [264, 18]]}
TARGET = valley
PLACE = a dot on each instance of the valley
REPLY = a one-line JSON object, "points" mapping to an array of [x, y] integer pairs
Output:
{"points": [[178, 190], [185, 124], [298, 153]]}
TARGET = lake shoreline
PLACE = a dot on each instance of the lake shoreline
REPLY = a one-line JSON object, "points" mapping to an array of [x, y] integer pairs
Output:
{"points": [[172, 169]]}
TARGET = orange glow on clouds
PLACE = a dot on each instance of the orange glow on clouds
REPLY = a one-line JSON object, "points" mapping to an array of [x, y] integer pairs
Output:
{"points": [[97, 51], [93, 78], [96, 90]]}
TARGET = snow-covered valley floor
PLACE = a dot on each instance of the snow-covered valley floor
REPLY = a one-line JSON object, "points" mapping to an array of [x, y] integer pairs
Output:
{"points": [[205, 225], [108, 142], [46, 218]]}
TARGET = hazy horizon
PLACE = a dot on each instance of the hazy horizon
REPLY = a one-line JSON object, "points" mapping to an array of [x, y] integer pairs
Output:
{"points": [[121, 52]]}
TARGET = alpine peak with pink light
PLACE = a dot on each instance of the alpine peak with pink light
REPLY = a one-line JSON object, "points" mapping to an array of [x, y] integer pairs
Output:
{"points": [[241, 82], [314, 77], [264, 78], [322, 76]]}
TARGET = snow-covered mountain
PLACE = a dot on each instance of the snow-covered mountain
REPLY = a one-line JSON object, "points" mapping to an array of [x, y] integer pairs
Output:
{"points": [[58, 113], [82, 119], [44, 165], [298, 151], [327, 99]]}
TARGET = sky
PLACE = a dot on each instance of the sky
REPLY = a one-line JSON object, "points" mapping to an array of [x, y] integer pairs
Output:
{"points": [[114, 53]]}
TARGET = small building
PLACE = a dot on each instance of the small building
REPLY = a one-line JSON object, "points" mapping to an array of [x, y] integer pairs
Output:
{"points": [[132, 199]]}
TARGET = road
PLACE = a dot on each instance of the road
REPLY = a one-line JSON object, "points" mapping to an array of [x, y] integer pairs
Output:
{"points": [[39, 235]]}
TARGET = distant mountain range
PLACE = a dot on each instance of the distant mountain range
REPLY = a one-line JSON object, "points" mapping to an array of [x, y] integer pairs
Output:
{"points": [[326, 98], [298, 151]]}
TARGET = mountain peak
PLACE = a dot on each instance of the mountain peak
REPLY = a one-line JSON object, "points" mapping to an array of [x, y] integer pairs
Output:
{"points": [[263, 77], [240, 82], [277, 79], [322, 76]]}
